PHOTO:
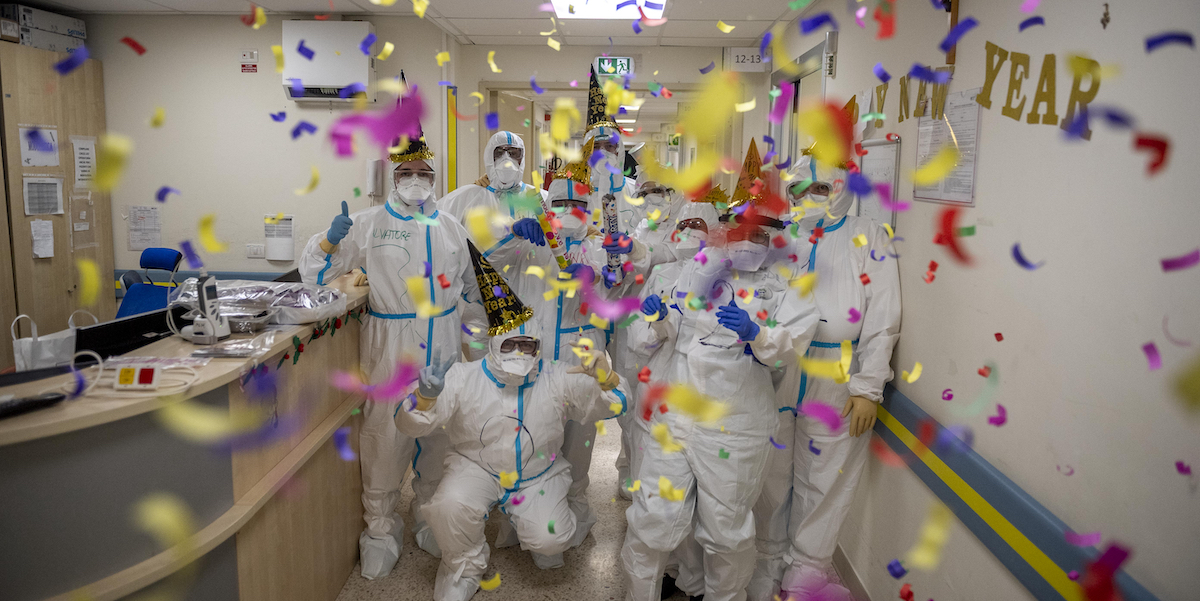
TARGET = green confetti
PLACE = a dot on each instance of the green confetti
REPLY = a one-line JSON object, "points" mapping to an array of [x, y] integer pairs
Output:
{"points": [[774, 93], [798, 4], [870, 116], [551, 525], [357, 192], [527, 123], [628, 321], [474, 344], [541, 492], [722, 454], [771, 323], [963, 232], [587, 443], [356, 412]]}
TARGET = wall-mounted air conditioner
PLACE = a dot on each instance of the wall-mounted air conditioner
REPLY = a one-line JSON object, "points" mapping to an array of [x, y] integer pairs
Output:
{"points": [[337, 62]]}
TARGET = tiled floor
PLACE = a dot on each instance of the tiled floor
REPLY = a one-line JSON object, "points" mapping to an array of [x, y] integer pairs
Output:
{"points": [[592, 572]]}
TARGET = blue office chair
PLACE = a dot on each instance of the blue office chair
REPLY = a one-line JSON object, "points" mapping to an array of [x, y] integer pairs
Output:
{"points": [[142, 296]]}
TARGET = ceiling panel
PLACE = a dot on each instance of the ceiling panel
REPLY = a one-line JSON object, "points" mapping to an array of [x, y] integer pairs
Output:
{"points": [[678, 28], [604, 28], [111, 6], [583, 40], [494, 27], [710, 42], [480, 9], [508, 40], [712, 10]]}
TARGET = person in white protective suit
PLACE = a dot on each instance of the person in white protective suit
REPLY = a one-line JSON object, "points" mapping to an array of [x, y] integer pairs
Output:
{"points": [[558, 307], [737, 323], [811, 487], [504, 166], [504, 417], [393, 245]]}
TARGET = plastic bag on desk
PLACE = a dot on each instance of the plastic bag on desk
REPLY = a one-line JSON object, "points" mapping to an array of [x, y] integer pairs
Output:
{"points": [[297, 303]]}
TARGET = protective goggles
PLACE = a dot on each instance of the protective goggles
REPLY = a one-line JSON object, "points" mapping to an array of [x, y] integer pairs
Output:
{"points": [[515, 153], [752, 233], [423, 174], [569, 204], [525, 344], [660, 190], [798, 189], [695, 223], [608, 144]]}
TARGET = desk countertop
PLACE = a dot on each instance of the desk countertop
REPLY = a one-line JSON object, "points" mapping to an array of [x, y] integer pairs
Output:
{"points": [[91, 410]]}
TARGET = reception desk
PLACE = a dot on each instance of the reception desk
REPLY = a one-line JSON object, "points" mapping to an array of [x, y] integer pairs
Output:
{"points": [[278, 520]]}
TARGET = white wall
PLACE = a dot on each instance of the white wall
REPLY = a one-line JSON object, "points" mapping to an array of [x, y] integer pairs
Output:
{"points": [[1072, 373], [218, 145]]}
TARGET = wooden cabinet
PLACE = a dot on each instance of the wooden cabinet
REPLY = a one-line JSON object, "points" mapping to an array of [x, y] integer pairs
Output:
{"points": [[47, 289]]}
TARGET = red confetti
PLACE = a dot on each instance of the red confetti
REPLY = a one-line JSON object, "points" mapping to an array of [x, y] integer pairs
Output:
{"points": [[999, 337], [885, 454], [859, 150], [779, 241], [248, 20], [761, 314], [947, 235], [1155, 144], [985, 371], [582, 189], [639, 279], [929, 277], [933, 266], [132, 43], [885, 13], [644, 375], [906, 592], [445, 283], [865, 279], [583, 309]]}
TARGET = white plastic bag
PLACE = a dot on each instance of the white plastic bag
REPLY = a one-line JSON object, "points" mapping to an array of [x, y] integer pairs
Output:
{"points": [[54, 349]]}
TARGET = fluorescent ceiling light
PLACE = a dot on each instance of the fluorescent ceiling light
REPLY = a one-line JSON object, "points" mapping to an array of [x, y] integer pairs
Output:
{"points": [[608, 9], [629, 107], [626, 120]]}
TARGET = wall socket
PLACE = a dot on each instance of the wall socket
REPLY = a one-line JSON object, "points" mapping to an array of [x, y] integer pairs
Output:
{"points": [[249, 56], [256, 251]]}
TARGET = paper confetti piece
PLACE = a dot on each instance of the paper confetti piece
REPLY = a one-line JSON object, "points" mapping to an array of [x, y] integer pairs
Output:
{"points": [[493, 582], [508, 479], [947, 395], [303, 126], [634, 486], [1183, 468], [1152, 356], [895, 569], [880, 72], [72, 62], [781, 104], [278, 52], [1029, 6], [189, 253], [312, 183], [200, 423], [663, 436], [442, 57], [946, 237], [777, 445], [742, 107], [1030, 22], [419, 8], [823, 413], [724, 27], [1000, 418], [388, 47], [279, 117], [111, 154], [855, 315], [1021, 260], [712, 65], [1169, 37], [1182, 261], [553, 43], [860, 240], [166, 518], [89, 281], [928, 75], [208, 236], [492, 62], [815, 22], [858, 17], [1157, 146], [601, 429], [492, 121], [916, 373], [958, 32], [667, 491], [132, 43], [937, 168], [1082, 540], [159, 116], [342, 442], [684, 399], [367, 42], [798, 4], [536, 88], [161, 195], [305, 51], [927, 552]]}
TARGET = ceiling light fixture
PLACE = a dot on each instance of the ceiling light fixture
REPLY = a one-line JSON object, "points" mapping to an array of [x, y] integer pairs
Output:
{"points": [[626, 120]]}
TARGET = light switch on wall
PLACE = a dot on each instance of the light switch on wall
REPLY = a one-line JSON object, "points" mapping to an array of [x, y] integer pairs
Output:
{"points": [[249, 56], [256, 251]]}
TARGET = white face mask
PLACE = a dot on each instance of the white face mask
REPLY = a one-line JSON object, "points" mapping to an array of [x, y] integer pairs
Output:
{"points": [[508, 174], [572, 226], [688, 246], [746, 255], [413, 190], [518, 363]]}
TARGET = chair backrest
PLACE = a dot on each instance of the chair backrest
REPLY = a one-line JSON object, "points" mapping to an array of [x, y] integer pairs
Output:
{"points": [[129, 278], [141, 297], [166, 259]]}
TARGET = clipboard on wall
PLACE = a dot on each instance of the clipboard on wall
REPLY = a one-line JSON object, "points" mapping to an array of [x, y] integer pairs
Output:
{"points": [[881, 164]]}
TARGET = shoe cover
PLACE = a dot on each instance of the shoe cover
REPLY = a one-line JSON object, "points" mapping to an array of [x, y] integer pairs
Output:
{"points": [[427, 542], [803, 584], [379, 555], [548, 562]]}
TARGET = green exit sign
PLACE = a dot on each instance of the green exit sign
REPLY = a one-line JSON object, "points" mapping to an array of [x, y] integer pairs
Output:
{"points": [[614, 65]]}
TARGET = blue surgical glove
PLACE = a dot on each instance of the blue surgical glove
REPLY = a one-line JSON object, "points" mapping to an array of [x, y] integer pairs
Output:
{"points": [[611, 277], [529, 229], [620, 245], [738, 320], [433, 377], [653, 304], [340, 226], [581, 272]]}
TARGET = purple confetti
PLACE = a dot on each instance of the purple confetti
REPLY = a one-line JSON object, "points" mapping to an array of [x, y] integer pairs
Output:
{"points": [[654, 5], [855, 315], [637, 27], [305, 51], [882, 73], [954, 439], [815, 450], [161, 195], [895, 569], [37, 142], [1021, 260], [596, 157], [72, 62], [1152, 357], [518, 500], [497, 292], [926, 74], [710, 67], [1001, 416], [352, 89], [493, 121], [858, 184], [1088, 539], [297, 87], [365, 46], [1153, 42], [536, 88], [189, 253], [882, 257], [445, 83], [762, 46], [301, 127], [1116, 117], [1113, 557], [1183, 468], [80, 384], [341, 438], [1181, 262], [959, 31], [427, 269], [781, 102], [785, 164], [279, 117], [467, 330], [814, 23], [1073, 575], [1030, 22], [778, 445], [626, 3], [770, 148]]}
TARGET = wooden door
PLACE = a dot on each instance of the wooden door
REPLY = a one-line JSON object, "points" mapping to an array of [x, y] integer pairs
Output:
{"points": [[72, 106]]}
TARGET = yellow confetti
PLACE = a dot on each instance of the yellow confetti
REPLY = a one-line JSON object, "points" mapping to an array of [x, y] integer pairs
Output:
{"points": [[725, 28], [111, 154], [204, 424], [490, 584], [749, 105], [160, 116], [417, 290], [637, 484], [392, 86], [278, 51], [860, 240], [388, 47], [274, 219], [89, 281], [168, 519], [837, 370], [1082, 65], [598, 321], [663, 436], [536, 271], [508, 479], [601, 430], [564, 119], [654, 215], [705, 118], [419, 7], [260, 17], [926, 554], [687, 400], [637, 202], [492, 62], [481, 98], [312, 183], [668, 491], [208, 235], [937, 168], [888, 227], [805, 283], [1187, 384], [617, 96], [443, 57], [383, 2], [916, 373], [553, 43], [830, 146]]}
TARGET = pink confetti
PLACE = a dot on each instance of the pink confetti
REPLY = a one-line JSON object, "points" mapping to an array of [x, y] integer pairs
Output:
{"points": [[1181, 262], [1070, 473], [609, 309], [1152, 356], [823, 413], [1030, 5], [1001, 416], [889, 202], [1183, 468], [406, 374], [384, 127], [574, 83], [781, 103], [947, 395], [1083, 540], [854, 315], [858, 15], [518, 500]]}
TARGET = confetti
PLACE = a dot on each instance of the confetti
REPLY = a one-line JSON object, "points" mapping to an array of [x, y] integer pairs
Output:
{"points": [[1156, 145], [278, 52], [159, 116], [798, 4], [1169, 37], [167, 518], [89, 281], [208, 237], [831, 129], [491, 59], [895, 569], [957, 33], [161, 195], [132, 43], [723, 454], [395, 388], [916, 373], [724, 27], [663, 436], [705, 70], [1152, 356], [1000, 418], [945, 236], [777, 445], [388, 47], [492, 120], [419, 7], [855, 315], [493, 582], [303, 126], [814, 23], [1183, 468], [73, 61], [536, 88], [937, 168], [305, 51], [1182, 261], [1021, 260], [203, 424], [189, 253], [860, 240], [667, 491], [928, 75], [781, 105], [1082, 540], [634, 486], [1174, 340], [742, 107], [687, 400], [312, 182], [111, 155], [508, 479], [341, 439], [365, 45], [1030, 22], [858, 17], [880, 72], [1029, 6], [279, 117], [927, 552], [553, 43], [823, 413]]}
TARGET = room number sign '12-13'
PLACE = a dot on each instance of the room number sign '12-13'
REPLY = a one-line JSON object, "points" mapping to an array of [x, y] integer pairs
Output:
{"points": [[744, 59]]}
